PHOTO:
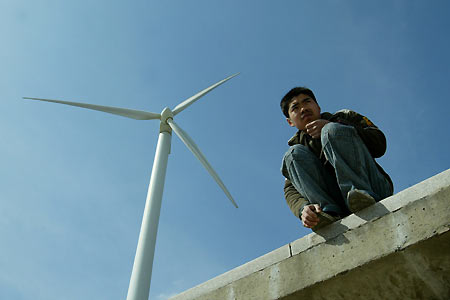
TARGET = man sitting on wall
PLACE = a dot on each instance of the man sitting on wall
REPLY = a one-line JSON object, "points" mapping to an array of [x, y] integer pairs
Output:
{"points": [[330, 167]]}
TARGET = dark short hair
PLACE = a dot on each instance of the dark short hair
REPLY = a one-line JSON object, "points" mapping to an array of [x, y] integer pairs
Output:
{"points": [[287, 99]]}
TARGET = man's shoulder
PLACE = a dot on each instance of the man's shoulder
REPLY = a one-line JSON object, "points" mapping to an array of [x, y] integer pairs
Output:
{"points": [[352, 117], [347, 114], [345, 111]]}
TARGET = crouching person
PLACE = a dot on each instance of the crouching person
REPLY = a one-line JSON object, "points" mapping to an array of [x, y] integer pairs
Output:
{"points": [[330, 167]]}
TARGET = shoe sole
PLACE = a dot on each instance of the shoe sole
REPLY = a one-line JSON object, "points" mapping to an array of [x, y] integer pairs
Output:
{"points": [[324, 220], [358, 200]]}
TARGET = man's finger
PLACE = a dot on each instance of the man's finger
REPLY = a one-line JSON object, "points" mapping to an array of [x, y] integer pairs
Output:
{"points": [[310, 214], [312, 132], [309, 224], [312, 217], [306, 225], [310, 125], [311, 220], [317, 208]]}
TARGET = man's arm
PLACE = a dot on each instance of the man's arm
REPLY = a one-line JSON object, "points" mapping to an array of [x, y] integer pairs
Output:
{"points": [[294, 200], [300, 207], [374, 140]]}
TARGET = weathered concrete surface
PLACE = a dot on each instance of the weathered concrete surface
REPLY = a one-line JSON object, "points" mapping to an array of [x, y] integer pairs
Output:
{"points": [[396, 249]]}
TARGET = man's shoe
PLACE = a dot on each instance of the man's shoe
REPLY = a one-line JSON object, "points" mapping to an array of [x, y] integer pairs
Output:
{"points": [[358, 200], [324, 220]]}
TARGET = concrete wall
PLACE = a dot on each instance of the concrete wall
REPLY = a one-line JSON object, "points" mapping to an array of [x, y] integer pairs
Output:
{"points": [[398, 248]]}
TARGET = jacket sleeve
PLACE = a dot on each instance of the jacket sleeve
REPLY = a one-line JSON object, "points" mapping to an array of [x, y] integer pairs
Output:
{"points": [[294, 200], [372, 137]]}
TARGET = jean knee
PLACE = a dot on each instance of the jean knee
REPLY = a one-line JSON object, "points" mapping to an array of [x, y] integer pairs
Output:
{"points": [[335, 130], [295, 152], [299, 150]]}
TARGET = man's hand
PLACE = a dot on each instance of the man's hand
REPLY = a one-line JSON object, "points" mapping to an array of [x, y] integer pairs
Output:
{"points": [[309, 216], [314, 128]]}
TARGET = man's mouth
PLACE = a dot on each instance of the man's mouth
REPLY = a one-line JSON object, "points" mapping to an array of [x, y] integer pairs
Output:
{"points": [[305, 115]]}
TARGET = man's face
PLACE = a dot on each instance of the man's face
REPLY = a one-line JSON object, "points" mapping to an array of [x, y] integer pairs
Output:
{"points": [[302, 110]]}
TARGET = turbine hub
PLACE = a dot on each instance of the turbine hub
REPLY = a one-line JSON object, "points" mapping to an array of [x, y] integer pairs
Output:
{"points": [[165, 115]]}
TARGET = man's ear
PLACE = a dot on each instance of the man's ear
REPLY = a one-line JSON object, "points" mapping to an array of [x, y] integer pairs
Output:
{"points": [[290, 122]]}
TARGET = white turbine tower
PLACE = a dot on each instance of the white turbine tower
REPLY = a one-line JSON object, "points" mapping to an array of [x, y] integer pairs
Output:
{"points": [[141, 274]]}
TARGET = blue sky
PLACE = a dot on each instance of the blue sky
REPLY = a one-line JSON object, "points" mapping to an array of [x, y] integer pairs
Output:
{"points": [[73, 182]]}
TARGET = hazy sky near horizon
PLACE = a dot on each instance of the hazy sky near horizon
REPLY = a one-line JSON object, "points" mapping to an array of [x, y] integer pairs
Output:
{"points": [[73, 181]]}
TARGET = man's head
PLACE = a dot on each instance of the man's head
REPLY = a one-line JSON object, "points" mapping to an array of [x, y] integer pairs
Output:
{"points": [[300, 107]]}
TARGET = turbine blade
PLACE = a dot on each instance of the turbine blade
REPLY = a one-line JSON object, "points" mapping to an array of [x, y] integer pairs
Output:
{"points": [[124, 112], [196, 151], [183, 105]]}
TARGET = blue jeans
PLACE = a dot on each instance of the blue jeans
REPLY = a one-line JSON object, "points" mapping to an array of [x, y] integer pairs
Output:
{"points": [[352, 167]]}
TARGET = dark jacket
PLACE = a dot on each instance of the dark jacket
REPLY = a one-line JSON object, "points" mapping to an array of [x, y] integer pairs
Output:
{"points": [[372, 137]]}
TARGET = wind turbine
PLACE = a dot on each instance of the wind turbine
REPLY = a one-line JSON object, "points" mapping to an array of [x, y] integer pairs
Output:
{"points": [[141, 274]]}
